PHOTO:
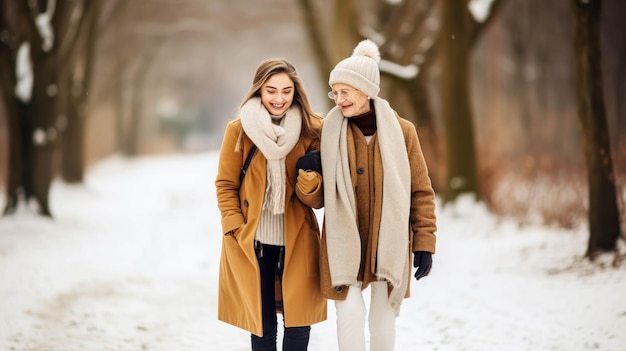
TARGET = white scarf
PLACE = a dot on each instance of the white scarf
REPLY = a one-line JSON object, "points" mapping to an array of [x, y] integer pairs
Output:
{"points": [[342, 234], [275, 142]]}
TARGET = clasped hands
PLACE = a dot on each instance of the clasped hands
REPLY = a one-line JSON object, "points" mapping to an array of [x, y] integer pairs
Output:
{"points": [[309, 169], [308, 181]]}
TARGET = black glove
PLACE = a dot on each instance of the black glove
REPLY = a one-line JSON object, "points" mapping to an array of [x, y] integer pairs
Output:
{"points": [[310, 162], [423, 260]]}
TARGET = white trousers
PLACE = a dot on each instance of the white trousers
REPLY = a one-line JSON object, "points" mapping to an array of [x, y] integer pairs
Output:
{"points": [[351, 314]]}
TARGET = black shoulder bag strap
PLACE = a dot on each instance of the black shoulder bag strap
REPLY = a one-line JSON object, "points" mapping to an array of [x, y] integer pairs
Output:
{"points": [[244, 168]]}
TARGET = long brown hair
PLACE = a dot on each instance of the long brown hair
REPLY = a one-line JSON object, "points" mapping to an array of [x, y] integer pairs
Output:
{"points": [[273, 66]]}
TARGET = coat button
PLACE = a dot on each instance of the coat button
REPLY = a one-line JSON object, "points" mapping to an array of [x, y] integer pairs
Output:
{"points": [[360, 171], [245, 203], [339, 289]]}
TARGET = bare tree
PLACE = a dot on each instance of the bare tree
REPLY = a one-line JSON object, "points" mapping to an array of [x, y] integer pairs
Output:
{"points": [[604, 225], [32, 114], [78, 58], [61, 38], [408, 37]]}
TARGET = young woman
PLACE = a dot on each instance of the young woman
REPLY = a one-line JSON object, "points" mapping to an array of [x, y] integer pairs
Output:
{"points": [[270, 244]]}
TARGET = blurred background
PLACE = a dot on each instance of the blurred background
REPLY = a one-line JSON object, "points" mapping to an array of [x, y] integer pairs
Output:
{"points": [[491, 86]]}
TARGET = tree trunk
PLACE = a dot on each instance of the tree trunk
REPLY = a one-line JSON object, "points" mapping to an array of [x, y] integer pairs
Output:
{"points": [[136, 113], [120, 107], [604, 226], [137, 103], [72, 146], [77, 94], [31, 139], [16, 131], [418, 96], [10, 20], [14, 125], [314, 31], [41, 134], [345, 29], [461, 170]]}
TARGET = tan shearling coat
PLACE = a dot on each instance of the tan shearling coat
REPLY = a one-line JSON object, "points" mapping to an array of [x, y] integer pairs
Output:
{"points": [[239, 295], [369, 197]]}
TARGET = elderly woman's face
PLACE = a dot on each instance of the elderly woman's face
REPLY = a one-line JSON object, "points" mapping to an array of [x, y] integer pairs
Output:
{"points": [[352, 102]]}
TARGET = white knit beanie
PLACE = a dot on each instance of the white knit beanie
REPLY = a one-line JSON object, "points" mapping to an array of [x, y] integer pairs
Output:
{"points": [[360, 70]]}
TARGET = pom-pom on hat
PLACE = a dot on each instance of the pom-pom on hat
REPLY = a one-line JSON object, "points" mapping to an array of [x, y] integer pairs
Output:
{"points": [[360, 70]]}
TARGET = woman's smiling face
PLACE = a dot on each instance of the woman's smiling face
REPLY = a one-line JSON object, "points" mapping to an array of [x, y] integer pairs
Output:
{"points": [[277, 93], [352, 102]]}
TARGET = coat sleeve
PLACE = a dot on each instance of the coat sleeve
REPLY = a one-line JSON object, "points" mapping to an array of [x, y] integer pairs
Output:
{"points": [[227, 180], [422, 218]]}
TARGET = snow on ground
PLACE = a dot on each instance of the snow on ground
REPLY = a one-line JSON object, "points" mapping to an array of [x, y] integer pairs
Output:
{"points": [[130, 262]]}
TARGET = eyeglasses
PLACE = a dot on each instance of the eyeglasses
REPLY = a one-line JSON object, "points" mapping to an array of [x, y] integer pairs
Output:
{"points": [[344, 93]]}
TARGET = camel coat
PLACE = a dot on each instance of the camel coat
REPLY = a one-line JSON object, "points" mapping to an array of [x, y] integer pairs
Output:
{"points": [[239, 294], [368, 199]]}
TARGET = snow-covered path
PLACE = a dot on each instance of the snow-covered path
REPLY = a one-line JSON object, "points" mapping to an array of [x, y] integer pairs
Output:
{"points": [[130, 262]]}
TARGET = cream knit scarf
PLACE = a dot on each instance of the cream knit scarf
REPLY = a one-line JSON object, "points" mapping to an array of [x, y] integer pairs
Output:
{"points": [[342, 235], [275, 142]]}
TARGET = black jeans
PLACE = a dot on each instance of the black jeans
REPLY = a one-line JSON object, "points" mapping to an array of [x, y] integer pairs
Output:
{"points": [[295, 338]]}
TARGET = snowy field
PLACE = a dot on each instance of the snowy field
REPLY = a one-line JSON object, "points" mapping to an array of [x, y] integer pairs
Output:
{"points": [[130, 262]]}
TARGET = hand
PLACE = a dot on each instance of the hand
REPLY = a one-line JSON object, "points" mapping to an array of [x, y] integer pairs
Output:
{"points": [[310, 162], [307, 182], [423, 260], [233, 232]]}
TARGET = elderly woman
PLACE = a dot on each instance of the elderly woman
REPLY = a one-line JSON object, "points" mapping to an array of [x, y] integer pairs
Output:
{"points": [[379, 204]]}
